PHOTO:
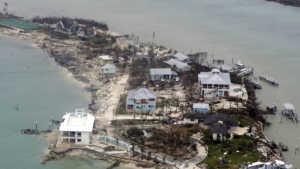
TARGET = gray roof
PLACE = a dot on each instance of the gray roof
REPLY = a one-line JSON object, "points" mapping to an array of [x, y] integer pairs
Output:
{"points": [[219, 128], [108, 66], [162, 71], [200, 106], [181, 56], [179, 65], [141, 93], [214, 77]]}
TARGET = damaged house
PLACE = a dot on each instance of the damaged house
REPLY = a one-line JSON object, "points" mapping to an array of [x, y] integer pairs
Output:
{"points": [[178, 65], [214, 83], [141, 100], [162, 74], [108, 69]]}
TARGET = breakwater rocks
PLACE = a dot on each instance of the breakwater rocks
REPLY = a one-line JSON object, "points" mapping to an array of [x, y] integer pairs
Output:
{"points": [[295, 3], [91, 153], [56, 154], [34, 131]]}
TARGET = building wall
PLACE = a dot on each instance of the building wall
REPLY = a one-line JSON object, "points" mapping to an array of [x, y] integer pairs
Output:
{"points": [[138, 106], [196, 110], [77, 138], [103, 62], [210, 93], [108, 71], [159, 77], [86, 138]]}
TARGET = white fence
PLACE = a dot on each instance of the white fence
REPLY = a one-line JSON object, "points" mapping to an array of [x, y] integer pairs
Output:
{"points": [[116, 142], [165, 159]]}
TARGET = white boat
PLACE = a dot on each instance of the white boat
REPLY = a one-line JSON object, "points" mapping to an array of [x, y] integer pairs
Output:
{"points": [[245, 71], [289, 112], [269, 80], [277, 164]]}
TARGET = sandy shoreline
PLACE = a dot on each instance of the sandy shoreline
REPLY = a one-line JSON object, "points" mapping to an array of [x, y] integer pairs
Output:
{"points": [[35, 39]]}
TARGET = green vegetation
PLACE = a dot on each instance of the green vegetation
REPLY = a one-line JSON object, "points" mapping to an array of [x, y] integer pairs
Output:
{"points": [[243, 121], [121, 109], [97, 40], [232, 153]]}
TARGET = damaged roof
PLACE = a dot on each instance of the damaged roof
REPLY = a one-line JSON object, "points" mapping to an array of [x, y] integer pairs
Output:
{"points": [[162, 71], [141, 93], [181, 56], [214, 77], [179, 65]]}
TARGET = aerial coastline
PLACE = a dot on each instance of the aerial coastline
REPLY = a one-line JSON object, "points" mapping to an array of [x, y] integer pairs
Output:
{"points": [[81, 59]]}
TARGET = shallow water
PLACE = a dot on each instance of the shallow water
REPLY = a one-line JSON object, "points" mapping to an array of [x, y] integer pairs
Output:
{"points": [[263, 34], [33, 88]]}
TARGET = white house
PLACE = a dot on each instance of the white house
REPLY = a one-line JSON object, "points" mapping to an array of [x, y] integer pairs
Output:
{"points": [[162, 73], [214, 83], [77, 127], [108, 69]]}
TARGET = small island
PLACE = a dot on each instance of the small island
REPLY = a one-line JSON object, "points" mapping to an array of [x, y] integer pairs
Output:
{"points": [[151, 106]]}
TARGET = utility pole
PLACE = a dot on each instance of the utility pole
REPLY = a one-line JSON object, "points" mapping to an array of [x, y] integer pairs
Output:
{"points": [[5, 8], [153, 38]]}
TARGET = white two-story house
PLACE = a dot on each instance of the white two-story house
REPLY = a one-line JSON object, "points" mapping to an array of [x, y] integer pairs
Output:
{"points": [[214, 83], [77, 127]]}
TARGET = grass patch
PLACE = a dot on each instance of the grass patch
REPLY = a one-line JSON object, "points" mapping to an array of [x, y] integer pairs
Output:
{"points": [[244, 121], [121, 109], [240, 150]]}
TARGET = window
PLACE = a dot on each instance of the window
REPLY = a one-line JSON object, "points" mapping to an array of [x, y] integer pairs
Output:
{"points": [[226, 86], [221, 93], [143, 101], [72, 140], [130, 107], [65, 133], [151, 106], [210, 86], [65, 140], [131, 100], [79, 140], [204, 85], [215, 86], [152, 100], [137, 101], [79, 134], [72, 134]]}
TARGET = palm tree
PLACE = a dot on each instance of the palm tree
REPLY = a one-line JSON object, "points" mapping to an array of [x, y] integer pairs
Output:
{"points": [[132, 149], [142, 151], [149, 155]]}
